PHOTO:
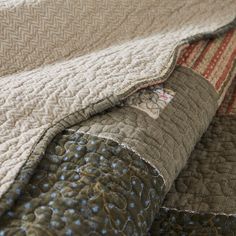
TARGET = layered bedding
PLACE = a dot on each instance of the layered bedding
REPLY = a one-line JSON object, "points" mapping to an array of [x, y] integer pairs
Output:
{"points": [[202, 198], [105, 137]]}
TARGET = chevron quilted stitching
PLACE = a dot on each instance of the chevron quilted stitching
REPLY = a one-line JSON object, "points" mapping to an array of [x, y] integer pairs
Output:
{"points": [[40, 32]]}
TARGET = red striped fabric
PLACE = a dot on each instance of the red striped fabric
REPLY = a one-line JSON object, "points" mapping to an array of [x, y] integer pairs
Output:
{"points": [[213, 60]]}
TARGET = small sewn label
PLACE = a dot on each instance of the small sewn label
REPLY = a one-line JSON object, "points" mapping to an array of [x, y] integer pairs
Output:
{"points": [[151, 100]]}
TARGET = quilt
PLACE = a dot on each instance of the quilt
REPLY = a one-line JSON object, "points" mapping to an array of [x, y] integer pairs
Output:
{"points": [[202, 199], [102, 104]]}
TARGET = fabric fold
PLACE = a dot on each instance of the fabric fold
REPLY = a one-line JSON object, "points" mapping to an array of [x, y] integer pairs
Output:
{"points": [[110, 173], [166, 140], [202, 199]]}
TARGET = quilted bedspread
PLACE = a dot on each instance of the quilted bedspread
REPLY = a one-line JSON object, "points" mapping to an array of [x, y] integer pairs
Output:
{"points": [[101, 106], [202, 199]]}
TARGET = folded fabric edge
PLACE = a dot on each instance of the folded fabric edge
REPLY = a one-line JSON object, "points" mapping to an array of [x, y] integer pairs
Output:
{"points": [[72, 119]]}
